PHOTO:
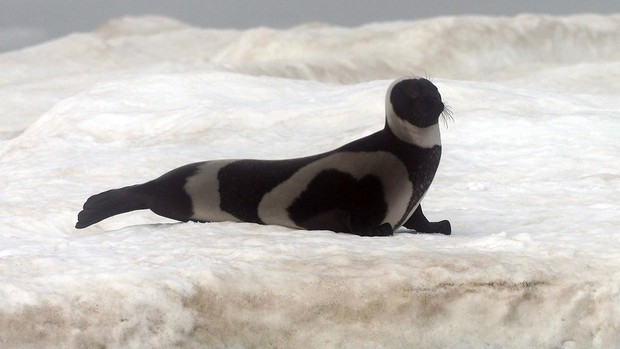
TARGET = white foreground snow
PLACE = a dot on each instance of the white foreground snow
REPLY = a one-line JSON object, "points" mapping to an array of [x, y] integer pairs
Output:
{"points": [[530, 179]]}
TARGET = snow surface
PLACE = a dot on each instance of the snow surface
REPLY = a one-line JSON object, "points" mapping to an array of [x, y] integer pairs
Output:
{"points": [[530, 180]]}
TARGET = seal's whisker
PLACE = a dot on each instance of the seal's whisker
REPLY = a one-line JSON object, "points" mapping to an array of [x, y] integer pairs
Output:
{"points": [[447, 114], [447, 110]]}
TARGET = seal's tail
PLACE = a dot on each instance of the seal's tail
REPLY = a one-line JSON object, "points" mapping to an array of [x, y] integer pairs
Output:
{"points": [[109, 203]]}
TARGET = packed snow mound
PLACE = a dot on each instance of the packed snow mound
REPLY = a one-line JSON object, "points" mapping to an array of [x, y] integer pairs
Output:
{"points": [[529, 179], [533, 206]]}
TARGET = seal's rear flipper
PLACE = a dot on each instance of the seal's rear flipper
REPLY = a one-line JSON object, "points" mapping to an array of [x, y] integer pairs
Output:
{"points": [[110, 203]]}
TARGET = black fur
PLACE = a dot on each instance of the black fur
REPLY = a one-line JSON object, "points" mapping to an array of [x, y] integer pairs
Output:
{"points": [[243, 184], [337, 201]]}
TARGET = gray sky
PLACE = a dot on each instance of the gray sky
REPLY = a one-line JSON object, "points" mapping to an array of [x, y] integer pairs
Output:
{"points": [[26, 22]]}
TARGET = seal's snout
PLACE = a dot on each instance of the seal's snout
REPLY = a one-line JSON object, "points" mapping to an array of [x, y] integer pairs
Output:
{"points": [[441, 107], [434, 102], [432, 97]]}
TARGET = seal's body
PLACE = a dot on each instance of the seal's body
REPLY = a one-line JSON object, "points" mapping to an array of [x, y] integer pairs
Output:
{"points": [[368, 187]]}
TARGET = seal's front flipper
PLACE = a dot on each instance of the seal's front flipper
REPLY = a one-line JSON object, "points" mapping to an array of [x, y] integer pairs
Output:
{"points": [[421, 225]]}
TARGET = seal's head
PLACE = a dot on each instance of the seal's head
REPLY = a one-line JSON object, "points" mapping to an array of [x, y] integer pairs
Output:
{"points": [[413, 108]]}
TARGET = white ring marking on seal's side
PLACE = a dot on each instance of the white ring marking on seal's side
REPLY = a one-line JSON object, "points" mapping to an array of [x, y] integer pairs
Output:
{"points": [[203, 189], [397, 188]]}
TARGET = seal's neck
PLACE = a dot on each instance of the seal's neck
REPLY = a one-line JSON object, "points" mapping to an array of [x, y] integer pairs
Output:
{"points": [[423, 137], [426, 137]]}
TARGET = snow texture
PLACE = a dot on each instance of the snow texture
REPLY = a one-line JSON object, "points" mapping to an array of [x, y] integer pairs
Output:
{"points": [[530, 179]]}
